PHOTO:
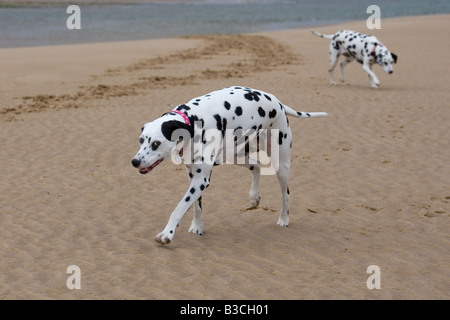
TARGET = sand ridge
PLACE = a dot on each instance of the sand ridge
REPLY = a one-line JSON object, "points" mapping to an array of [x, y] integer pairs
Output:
{"points": [[240, 55]]}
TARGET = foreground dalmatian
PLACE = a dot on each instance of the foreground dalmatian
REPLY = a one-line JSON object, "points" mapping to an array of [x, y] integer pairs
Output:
{"points": [[363, 48], [224, 126]]}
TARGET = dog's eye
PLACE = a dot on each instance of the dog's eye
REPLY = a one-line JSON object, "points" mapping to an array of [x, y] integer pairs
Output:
{"points": [[141, 140], [155, 145]]}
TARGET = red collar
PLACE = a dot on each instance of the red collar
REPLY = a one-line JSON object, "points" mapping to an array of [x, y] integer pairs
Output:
{"points": [[185, 117], [375, 48]]}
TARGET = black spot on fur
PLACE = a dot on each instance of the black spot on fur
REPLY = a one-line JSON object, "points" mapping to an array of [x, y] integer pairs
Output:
{"points": [[199, 170], [261, 112], [221, 124], [248, 96], [252, 95], [267, 97], [202, 187], [280, 138], [187, 199], [218, 121], [238, 111], [272, 114], [226, 105], [192, 190], [183, 107]]}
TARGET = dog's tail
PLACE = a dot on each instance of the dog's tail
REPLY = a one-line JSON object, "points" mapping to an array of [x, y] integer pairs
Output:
{"points": [[298, 114], [326, 36]]}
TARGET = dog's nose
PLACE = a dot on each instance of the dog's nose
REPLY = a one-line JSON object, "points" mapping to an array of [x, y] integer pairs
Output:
{"points": [[391, 72], [135, 162]]}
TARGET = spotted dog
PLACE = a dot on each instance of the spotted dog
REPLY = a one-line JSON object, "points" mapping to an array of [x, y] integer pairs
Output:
{"points": [[363, 48], [188, 132]]}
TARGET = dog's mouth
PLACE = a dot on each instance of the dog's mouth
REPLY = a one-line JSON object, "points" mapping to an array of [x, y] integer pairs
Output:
{"points": [[150, 168]]}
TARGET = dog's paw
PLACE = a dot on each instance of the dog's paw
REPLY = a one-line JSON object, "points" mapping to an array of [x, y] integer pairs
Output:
{"points": [[196, 228], [283, 221], [375, 83], [254, 199], [164, 237]]}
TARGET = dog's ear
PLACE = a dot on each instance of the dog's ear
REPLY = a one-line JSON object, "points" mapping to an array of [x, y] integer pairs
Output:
{"points": [[394, 56], [174, 130]]}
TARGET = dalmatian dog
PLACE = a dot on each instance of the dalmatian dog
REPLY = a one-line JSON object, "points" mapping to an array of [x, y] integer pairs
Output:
{"points": [[202, 133], [363, 48]]}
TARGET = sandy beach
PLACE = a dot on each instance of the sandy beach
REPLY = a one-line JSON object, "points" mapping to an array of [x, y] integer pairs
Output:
{"points": [[369, 184]]}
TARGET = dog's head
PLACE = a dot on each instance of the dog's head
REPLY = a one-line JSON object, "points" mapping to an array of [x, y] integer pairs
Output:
{"points": [[158, 141], [386, 59]]}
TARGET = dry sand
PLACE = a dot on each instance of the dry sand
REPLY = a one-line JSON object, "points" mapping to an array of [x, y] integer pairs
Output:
{"points": [[369, 183]]}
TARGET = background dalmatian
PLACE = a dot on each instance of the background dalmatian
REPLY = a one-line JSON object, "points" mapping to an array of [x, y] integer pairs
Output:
{"points": [[236, 108], [363, 48]]}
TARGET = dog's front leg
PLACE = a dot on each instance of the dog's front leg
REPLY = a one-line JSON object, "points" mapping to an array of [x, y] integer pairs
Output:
{"points": [[195, 191], [374, 82]]}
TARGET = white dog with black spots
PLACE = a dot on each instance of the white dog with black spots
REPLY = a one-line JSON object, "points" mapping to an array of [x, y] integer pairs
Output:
{"points": [[245, 113], [363, 48]]}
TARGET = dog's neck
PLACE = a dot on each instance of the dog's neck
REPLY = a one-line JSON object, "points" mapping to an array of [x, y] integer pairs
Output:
{"points": [[185, 117], [375, 49]]}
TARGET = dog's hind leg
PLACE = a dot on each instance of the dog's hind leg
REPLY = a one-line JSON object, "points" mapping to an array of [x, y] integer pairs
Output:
{"points": [[343, 64], [283, 177], [334, 56]]}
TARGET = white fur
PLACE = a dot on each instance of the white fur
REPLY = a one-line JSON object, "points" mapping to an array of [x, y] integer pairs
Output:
{"points": [[363, 48], [233, 108]]}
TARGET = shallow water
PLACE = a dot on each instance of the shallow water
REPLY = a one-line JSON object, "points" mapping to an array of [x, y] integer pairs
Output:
{"points": [[33, 26]]}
